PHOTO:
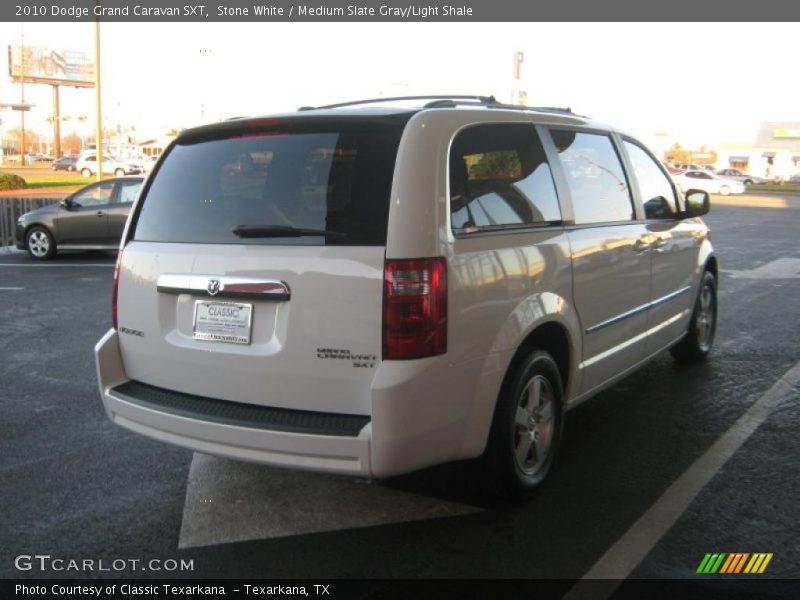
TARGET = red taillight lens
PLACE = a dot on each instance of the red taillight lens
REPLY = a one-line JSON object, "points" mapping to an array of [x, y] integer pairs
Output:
{"points": [[414, 308], [114, 292]]}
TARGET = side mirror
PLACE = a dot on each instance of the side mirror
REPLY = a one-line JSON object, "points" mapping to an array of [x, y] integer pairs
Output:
{"points": [[66, 202], [698, 203]]}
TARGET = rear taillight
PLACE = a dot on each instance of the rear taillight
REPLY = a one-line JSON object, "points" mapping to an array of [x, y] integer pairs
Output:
{"points": [[114, 291], [414, 308]]}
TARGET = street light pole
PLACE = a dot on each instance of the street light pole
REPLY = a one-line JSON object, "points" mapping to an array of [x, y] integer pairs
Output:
{"points": [[22, 93], [98, 123], [56, 150]]}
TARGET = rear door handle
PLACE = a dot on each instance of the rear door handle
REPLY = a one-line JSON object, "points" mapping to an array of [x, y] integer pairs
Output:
{"points": [[224, 286], [659, 244], [641, 245], [100, 213]]}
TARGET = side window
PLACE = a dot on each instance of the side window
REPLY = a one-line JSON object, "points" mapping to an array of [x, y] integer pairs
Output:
{"points": [[95, 195], [595, 177], [128, 190], [499, 177], [658, 196]]}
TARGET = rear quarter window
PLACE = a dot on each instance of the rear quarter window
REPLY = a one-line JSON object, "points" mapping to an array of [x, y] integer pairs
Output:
{"points": [[500, 179]]}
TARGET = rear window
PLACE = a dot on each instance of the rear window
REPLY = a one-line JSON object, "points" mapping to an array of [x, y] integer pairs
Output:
{"points": [[276, 187]]}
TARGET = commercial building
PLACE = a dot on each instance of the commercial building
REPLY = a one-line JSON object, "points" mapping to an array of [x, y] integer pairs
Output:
{"points": [[775, 153]]}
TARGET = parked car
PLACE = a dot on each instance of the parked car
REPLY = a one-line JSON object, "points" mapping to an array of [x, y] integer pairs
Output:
{"points": [[143, 163], [372, 289], [673, 170], [34, 157], [741, 176], [37, 157], [794, 178], [708, 182], [87, 165], [694, 167], [148, 162], [90, 219], [65, 163]]}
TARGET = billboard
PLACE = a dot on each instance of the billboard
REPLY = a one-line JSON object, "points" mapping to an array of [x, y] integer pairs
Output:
{"points": [[33, 64]]}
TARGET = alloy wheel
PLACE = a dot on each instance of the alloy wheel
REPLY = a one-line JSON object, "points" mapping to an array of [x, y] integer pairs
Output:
{"points": [[706, 317], [39, 243], [534, 425]]}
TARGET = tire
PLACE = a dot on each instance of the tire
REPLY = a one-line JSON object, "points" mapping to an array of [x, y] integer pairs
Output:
{"points": [[86, 172], [696, 345], [40, 243], [748, 182], [724, 190], [527, 427], [119, 173]]}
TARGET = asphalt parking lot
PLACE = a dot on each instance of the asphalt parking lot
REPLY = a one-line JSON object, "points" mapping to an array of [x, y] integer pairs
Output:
{"points": [[75, 486]]}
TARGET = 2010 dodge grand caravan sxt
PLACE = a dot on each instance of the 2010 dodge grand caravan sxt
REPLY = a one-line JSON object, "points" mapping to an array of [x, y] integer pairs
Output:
{"points": [[371, 289]]}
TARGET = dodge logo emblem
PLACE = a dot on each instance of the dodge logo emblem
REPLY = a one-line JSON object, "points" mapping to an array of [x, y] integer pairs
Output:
{"points": [[213, 287]]}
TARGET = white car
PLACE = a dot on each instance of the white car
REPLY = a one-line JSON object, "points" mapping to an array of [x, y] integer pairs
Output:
{"points": [[741, 176], [372, 289], [708, 182], [87, 166]]}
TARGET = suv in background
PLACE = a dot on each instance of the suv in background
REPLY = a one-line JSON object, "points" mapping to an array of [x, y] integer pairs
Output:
{"points": [[371, 289], [87, 166], [693, 167]]}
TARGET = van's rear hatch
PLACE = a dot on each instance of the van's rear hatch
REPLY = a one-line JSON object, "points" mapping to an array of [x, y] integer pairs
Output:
{"points": [[253, 269]]}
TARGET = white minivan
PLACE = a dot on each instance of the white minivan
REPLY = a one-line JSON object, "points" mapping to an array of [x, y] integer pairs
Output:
{"points": [[376, 287]]}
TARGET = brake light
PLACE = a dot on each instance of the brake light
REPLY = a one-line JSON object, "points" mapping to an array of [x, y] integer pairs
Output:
{"points": [[259, 134], [414, 308], [114, 291], [256, 123]]}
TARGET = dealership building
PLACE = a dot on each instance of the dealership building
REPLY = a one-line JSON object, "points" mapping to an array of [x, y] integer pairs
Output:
{"points": [[775, 153]]}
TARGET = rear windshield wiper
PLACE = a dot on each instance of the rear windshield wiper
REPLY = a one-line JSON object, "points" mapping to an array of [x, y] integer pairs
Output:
{"points": [[264, 231]]}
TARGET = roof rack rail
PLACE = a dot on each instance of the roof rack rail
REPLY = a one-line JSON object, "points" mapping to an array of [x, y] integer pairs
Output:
{"points": [[448, 101], [438, 98]]}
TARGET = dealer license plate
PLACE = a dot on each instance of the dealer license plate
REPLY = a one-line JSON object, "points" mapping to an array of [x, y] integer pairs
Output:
{"points": [[227, 322]]}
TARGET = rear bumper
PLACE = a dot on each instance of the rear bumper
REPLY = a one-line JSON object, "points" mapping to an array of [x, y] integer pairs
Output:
{"points": [[423, 412], [346, 454]]}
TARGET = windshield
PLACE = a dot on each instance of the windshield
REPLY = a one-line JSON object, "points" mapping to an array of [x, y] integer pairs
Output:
{"points": [[276, 187]]}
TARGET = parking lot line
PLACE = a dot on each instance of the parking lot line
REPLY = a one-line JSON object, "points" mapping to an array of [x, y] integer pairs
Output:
{"points": [[11, 289], [622, 558]]}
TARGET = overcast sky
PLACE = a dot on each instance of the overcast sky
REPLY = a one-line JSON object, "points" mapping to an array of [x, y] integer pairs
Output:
{"points": [[701, 83]]}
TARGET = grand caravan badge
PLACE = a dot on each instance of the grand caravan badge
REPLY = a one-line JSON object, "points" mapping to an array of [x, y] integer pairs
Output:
{"points": [[360, 361]]}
